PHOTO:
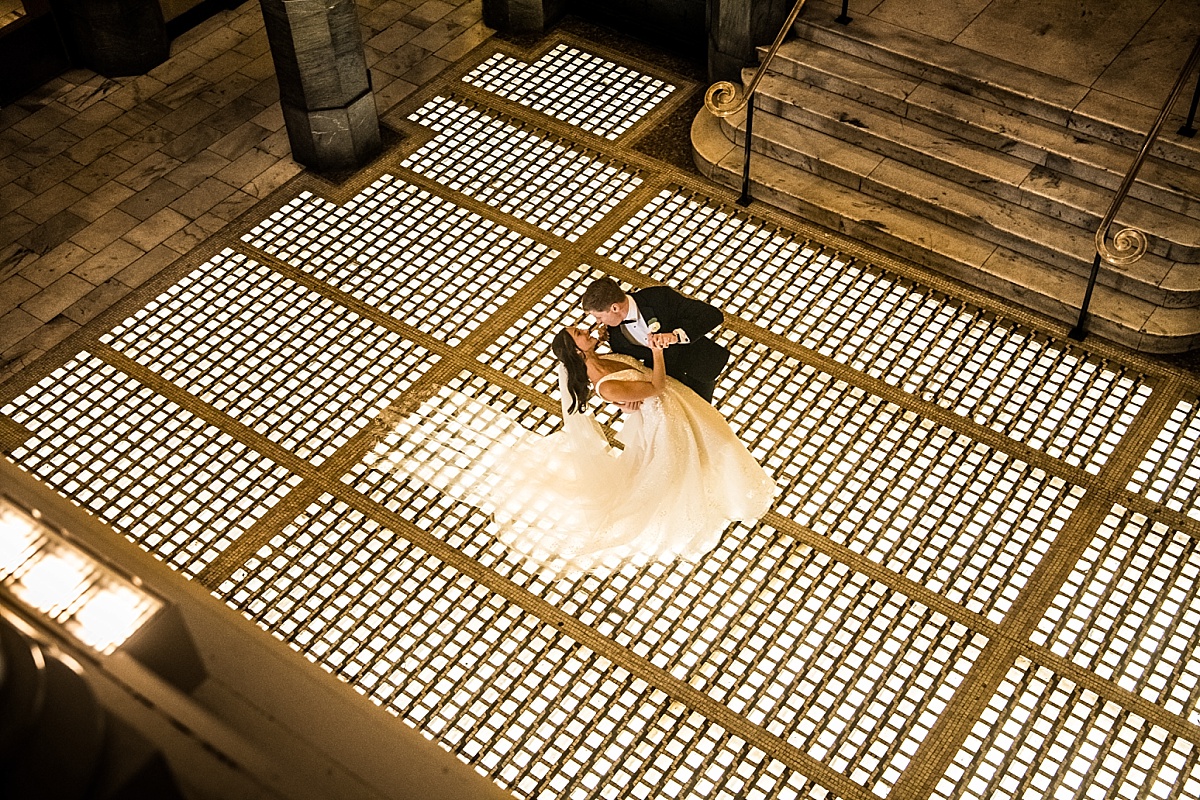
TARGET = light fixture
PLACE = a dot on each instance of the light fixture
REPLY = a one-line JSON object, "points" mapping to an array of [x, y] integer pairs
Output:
{"points": [[46, 572]]}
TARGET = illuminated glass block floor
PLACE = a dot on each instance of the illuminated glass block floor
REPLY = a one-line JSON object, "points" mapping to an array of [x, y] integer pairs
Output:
{"points": [[570, 84], [979, 577]]}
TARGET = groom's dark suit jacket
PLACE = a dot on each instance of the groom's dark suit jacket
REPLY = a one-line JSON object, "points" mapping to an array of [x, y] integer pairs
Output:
{"points": [[696, 364]]}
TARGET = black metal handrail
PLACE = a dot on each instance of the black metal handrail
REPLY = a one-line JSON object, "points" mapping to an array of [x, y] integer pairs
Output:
{"points": [[1129, 244], [1188, 129], [723, 99]]}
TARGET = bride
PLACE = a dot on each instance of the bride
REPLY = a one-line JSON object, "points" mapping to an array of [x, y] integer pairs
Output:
{"points": [[569, 502], [680, 478]]}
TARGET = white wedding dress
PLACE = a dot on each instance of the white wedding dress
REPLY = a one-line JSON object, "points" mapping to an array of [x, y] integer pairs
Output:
{"points": [[571, 503]]}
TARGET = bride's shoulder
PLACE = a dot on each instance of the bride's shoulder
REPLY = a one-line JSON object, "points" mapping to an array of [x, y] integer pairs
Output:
{"points": [[622, 370], [620, 365]]}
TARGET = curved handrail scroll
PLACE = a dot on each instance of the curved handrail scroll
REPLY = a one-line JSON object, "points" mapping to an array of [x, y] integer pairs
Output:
{"points": [[1129, 244], [723, 98]]}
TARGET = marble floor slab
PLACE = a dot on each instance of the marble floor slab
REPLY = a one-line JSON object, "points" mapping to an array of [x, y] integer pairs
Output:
{"points": [[1076, 41]]}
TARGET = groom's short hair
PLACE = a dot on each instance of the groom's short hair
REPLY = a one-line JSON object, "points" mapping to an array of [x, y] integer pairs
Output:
{"points": [[602, 295]]}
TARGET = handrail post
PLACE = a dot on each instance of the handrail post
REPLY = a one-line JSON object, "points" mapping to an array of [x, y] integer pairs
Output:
{"points": [[723, 99], [1188, 129], [1080, 330], [845, 18], [745, 199]]}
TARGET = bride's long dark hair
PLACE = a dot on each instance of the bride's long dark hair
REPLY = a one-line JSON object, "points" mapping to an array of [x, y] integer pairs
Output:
{"points": [[578, 385]]}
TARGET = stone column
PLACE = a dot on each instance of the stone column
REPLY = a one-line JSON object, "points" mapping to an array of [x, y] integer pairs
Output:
{"points": [[736, 28], [521, 16], [324, 86]]}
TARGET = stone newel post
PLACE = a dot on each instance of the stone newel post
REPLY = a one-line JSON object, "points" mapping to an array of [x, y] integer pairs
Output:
{"points": [[736, 28]]}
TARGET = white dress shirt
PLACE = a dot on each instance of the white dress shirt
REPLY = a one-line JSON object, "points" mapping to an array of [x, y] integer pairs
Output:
{"points": [[639, 330]]}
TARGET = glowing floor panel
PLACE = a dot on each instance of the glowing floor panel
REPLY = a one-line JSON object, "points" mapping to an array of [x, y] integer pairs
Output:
{"points": [[577, 87], [543, 714], [1170, 473], [177, 486], [915, 497], [969, 362], [1044, 736], [1130, 612], [424, 260], [280, 359], [562, 188]]}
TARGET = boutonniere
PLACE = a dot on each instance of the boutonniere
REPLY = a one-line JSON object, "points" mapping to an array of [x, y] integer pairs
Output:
{"points": [[653, 325]]}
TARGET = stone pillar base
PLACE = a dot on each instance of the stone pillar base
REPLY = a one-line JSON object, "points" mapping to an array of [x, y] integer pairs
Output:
{"points": [[736, 28], [334, 138], [114, 37], [521, 16]]}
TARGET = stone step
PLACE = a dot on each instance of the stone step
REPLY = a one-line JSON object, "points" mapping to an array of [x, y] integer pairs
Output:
{"points": [[1167, 184], [1050, 290], [1153, 279], [1014, 180], [1012, 133], [1080, 108]]}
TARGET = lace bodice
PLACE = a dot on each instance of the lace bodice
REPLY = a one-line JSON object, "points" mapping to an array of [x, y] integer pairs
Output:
{"points": [[634, 372]]}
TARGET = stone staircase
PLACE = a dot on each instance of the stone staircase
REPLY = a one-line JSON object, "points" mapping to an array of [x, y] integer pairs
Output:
{"points": [[985, 170]]}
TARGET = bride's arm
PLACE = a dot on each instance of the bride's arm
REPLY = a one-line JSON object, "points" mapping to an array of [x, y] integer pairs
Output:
{"points": [[659, 377]]}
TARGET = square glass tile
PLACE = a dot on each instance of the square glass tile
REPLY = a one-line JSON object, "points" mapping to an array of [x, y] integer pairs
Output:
{"points": [[556, 185], [424, 260]]}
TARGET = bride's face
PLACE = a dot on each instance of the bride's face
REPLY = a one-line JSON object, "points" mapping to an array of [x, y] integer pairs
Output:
{"points": [[582, 338]]}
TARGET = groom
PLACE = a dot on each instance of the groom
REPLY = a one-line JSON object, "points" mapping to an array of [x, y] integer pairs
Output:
{"points": [[678, 323]]}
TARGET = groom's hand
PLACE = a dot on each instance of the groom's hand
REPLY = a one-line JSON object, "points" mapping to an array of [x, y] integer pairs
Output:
{"points": [[632, 405], [662, 340]]}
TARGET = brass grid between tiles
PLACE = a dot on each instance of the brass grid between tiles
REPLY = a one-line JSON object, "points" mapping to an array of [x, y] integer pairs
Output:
{"points": [[584, 253], [881, 573], [591, 259], [447, 554], [613, 220], [1130, 451]]}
